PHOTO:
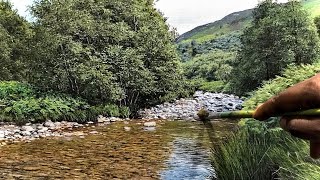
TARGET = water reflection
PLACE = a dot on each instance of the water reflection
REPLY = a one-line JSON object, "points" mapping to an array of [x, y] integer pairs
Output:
{"points": [[189, 160]]}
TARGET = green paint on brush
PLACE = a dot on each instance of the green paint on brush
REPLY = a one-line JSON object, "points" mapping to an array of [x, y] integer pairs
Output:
{"points": [[249, 114]]}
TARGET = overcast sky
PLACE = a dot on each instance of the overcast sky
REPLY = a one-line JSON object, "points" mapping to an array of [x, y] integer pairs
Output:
{"points": [[183, 14]]}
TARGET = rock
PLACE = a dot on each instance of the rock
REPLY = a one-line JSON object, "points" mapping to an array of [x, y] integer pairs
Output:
{"points": [[26, 133], [79, 133], [127, 128], [93, 132], [102, 119], [113, 119], [90, 122], [49, 124], [27, 128], [150, 124], [2, 134], [43, 130]]}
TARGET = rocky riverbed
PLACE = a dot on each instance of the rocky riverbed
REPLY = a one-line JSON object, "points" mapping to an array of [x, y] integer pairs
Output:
{"points": [[29, 132], [186, 109], [183, 109]]}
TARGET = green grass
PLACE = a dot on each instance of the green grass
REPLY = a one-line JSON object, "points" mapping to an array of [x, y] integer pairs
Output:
{"points": [[248, 155], [263, 150]]}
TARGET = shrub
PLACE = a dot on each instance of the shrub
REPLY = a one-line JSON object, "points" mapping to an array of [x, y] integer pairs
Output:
{"points": [[20, 103], [13, 90], [124, 112]]}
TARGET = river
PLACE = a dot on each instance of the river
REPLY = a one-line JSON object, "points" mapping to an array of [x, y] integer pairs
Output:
{"points": [[173, 150]]}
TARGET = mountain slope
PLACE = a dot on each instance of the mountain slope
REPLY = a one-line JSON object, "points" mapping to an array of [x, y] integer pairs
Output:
{"points": [[234, 23], [231, 23]]}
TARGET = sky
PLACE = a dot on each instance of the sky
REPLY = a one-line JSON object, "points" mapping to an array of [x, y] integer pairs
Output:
{"points": [[183, 14]]}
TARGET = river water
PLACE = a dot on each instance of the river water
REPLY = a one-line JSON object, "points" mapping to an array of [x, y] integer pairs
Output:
{"points": [[173, 150]]}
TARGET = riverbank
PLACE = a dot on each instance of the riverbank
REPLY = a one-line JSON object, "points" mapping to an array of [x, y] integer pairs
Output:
{"points": [[182, 109], [187, 108], [11, 133]]}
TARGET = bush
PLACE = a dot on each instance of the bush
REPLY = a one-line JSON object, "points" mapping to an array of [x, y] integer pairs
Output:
{"points": [[209, 86], [21, 104], [13, 90], [124, 112], [213, 86]]}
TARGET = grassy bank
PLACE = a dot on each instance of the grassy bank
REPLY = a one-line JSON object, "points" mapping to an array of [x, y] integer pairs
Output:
{"points": [[263, 150]]}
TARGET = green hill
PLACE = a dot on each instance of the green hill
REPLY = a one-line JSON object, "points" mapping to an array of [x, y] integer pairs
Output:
{"points": [[233, 24], [229, 24]]}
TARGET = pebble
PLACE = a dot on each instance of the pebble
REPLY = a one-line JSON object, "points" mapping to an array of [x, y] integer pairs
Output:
{"points": [[127, 128]]}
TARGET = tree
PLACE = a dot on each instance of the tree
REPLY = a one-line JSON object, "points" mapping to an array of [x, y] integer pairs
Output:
{"points": [[14, 35], [105, 51], [280, 34]]}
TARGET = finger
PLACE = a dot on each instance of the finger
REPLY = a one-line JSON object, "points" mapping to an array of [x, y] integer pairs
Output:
{"points": [[283, 123], [302, 127], [315, 149], [304, 95]]}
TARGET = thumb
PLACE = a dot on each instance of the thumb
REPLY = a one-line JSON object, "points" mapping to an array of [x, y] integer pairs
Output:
{"points": [[315, 149]]}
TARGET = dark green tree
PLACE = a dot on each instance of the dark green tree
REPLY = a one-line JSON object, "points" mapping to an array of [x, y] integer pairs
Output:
{"points": [[280, 34], [14, 35], [105, 51]]}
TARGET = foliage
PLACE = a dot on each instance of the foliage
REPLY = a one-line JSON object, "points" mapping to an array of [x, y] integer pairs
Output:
{"points": [[281, 34], [13, 90], [21, 103], [270, 155], [228, 43], [285, 156], [14, 35], [317, 23], [212, 67], [212, 86], [105, 52]]}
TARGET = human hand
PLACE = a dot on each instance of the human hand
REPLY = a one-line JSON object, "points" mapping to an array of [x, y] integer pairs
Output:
{"points": [[302, 96]]}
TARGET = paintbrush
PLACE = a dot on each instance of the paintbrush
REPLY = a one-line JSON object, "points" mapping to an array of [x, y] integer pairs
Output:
{"points": [[205, 115]]}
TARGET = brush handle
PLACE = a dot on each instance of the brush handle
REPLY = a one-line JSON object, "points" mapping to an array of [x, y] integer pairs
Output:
{"points": [[249, 114]]}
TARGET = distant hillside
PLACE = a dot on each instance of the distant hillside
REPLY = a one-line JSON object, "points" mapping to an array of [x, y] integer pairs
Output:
{"points": [[231, 23], [234, 23]]}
